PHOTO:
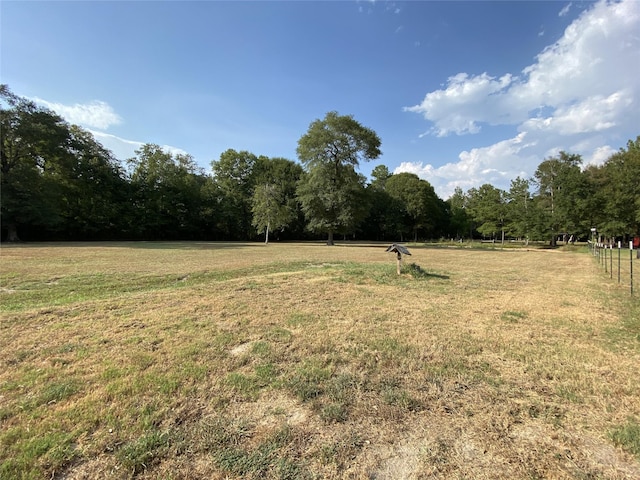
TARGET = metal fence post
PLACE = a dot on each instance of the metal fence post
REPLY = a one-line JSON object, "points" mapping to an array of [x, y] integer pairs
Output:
{"points": [[619, 248], [611, 260], [631, 265]]}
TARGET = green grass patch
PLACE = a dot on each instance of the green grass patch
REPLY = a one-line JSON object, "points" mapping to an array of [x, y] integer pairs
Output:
{"points": [[512, 316], [140, 454], [627, 436]]}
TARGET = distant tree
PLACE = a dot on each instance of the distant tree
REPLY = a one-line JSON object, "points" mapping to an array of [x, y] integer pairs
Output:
{"points": [[274, 202], [459, 221], [519, 209], [270, 209], [380, 175], [167, 193], [385, 214], [419, 202], [331, 192], [235, 175], [620, 192], [596, 202], [487, 206], [562, 196]]}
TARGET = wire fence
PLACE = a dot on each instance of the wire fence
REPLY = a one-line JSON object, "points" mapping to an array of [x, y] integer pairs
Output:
{"points": [[617, 261]]}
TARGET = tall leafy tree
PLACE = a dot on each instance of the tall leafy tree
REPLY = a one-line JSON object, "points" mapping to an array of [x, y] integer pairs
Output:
{"points": [[32, 145], [385, 212], [412, 194], [167, 193], [620, 192], [562, 194], [487, 206], [519, 209], [423, 212], [93, 188], [274, 203], [270, 209], [459, 221], [380, 174], [235, 175], [331, 192]]}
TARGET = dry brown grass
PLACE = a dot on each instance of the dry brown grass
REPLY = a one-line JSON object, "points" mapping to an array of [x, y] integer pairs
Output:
{"points": [[220, 361]]}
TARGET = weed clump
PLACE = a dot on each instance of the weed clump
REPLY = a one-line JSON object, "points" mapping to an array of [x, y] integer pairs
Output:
{"points": [[416, 271]]}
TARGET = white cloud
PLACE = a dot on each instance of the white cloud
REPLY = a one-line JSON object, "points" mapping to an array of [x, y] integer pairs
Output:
{"points": [[583, 89], [496, 164], [600, 155], [96, 114], [460, 107], [565, 10], [124, 149]]}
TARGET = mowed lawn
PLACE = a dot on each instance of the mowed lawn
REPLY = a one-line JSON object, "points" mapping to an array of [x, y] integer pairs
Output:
{"points": [[239, 360]]}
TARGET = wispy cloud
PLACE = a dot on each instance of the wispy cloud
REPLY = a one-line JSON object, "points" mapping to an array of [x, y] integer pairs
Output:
{"points": [[565, 10], [124, 149], [95, 114], [583, 83]]}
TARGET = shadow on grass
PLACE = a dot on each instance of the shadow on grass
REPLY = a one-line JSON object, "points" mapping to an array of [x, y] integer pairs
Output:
{"points": [[416, 271]]}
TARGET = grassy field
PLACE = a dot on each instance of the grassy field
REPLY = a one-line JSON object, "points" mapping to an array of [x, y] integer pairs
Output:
{"points": [[212, 360]]}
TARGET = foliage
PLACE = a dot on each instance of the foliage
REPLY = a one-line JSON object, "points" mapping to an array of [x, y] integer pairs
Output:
{"points": [[331, 193], [58, 183], [167, 191], [561, 195], [55, 177], [273, 202], [421, 207], [460, 224], [487, 205], [519, 209]]}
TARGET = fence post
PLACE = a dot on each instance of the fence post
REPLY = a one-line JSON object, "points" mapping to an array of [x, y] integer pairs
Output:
{"points": [[611, 260], [619, 248], [605, 258], [631, 265]]}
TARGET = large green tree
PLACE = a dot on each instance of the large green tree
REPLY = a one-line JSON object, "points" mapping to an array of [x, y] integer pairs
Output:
{"points": [[385, 213], [487, 207], [167, 193], [274, 203], [562, 196], [94, 190], [519, 209], [331, 192], [235, 176], [416, 199], [459, 220], [33, 143], [620, 192]]}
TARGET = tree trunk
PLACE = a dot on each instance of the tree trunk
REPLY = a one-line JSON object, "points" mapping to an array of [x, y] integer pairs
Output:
{"points": [[266, 235], [12, 234], [330, 239]]}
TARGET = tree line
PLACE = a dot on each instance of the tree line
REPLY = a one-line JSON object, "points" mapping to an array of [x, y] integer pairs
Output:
{"points": [[59, 183]]}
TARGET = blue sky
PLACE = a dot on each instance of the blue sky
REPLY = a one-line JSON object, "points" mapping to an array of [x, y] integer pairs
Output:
{"points": [[461, 93]]}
